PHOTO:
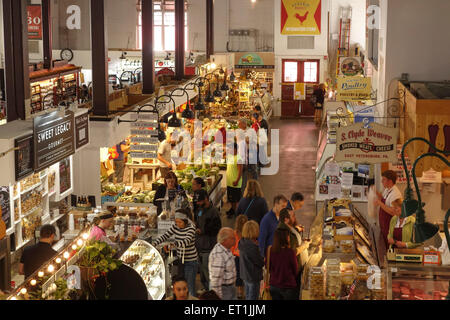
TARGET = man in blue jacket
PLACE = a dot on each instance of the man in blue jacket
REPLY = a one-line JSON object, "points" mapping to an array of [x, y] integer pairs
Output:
{"points": [[269, 223]]}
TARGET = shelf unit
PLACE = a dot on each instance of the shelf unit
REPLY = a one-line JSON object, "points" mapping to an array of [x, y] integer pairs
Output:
{"points": [[47, 196], [49, 87]]}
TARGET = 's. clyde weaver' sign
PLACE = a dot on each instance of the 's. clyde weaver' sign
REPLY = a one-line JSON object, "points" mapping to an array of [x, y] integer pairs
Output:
{"points": [[374, 144]]}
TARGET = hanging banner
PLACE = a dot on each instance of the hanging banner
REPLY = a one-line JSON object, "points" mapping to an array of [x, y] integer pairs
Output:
{"points": [[81, 130], [299, 91], [353, 89], [34, 19], [301, 17], [359, 143]]}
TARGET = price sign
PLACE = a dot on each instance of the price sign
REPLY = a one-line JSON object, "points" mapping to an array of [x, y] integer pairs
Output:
{"points": [[152, 133], [144, 140], [34, 20], [143, 155], [144, 147], [141, 124]]}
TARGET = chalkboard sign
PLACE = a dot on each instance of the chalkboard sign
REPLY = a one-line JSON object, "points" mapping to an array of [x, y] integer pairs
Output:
{"points": [[5, 207], [81, 130], [23, 156], [53, 138]]}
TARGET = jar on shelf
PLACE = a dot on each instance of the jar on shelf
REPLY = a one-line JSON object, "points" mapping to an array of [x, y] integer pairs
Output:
{"points": [[329, 246], [347, 246], [333, 286]]}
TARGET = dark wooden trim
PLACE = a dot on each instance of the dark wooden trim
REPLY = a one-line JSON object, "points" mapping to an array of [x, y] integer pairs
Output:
{"points": [[99, 47], [179, 40], [47, 33], [148, 64], [17, 82], [209, 28]]}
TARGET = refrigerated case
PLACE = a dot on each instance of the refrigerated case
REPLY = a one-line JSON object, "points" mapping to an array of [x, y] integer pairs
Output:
{"points": [[415, 281], [148, 262]]}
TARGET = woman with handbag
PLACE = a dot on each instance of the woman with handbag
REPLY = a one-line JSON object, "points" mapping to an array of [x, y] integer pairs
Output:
{"points": [[253, 204], [283, 268], [251, 262], [238, 226]]}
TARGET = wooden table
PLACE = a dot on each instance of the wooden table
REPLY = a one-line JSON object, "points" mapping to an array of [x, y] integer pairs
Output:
{"points": [[133, 166]]}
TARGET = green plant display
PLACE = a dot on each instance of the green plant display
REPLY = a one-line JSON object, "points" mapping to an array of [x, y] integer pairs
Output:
{"points": [[99, 255]]}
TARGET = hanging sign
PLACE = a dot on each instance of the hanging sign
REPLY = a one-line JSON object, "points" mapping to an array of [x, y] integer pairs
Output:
{"points": [[81, 130], [251, 59], [301, 17], [353, 88], [299, 91], [53, 138], [361, 143], [364, 114], [34, 19], [350, 66], [145, 144]]}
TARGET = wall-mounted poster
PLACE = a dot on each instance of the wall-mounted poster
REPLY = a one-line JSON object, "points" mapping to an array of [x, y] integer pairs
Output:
{"points": [[23, 156], [299, 91], [64, 176], [34, 20], [301, 17]]}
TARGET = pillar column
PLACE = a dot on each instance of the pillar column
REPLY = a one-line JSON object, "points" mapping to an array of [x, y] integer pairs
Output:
{"points": [[99, 48], [148, 64], [179, 40], [209, 28], [47, 33]]}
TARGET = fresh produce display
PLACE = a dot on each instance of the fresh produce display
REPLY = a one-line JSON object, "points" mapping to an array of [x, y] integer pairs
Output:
{"points": [[147, 261], [112, 189], [137, 196]]}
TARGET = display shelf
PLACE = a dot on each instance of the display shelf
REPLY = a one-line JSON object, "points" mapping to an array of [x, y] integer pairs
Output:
{"points": [[51, 193], [30, 212], [31, 188], [24, 243], [148, 262], [57, 218]]}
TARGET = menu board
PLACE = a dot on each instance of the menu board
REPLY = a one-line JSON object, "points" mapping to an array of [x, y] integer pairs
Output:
{"points": [[23, 156], [5, 207], [144, 144], [64, 176], [53, 138], [81, 130]]}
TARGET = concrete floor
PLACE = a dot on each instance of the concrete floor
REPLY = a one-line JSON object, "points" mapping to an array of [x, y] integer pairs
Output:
{"points": [[298, 152]]}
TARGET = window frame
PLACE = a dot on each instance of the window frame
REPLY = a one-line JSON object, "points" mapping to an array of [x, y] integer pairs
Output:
{"points": [[165, 6]]}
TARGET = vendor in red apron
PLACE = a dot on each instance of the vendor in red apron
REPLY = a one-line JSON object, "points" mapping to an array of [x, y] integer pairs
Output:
{"points": [[385, 200], [401, 230]]}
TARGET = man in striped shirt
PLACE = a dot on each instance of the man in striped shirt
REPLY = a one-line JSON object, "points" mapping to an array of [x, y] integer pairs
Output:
{"points": [[222, 268], [184, 233]]}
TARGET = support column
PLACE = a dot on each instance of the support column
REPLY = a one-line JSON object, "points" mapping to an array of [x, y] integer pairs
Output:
{"points": [[209, 28], [17, 79], [99, 48], [148, 64], [47, 33], [179, 40]]}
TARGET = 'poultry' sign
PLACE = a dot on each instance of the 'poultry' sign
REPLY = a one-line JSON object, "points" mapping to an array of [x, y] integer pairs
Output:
{"points": [[301, 17], [366, 143]]}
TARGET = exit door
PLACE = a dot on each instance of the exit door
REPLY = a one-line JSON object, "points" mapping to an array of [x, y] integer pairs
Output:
{"points": [[298, 71]]}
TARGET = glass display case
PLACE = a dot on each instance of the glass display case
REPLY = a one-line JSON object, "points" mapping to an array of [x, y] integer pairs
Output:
{"points": [[148, 262], [415, 281]]}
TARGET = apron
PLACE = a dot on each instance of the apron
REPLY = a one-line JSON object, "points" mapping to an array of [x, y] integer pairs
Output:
{"points": [[384, 219], [398, 235]]}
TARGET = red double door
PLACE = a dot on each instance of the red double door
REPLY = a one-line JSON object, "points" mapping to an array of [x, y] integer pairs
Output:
{"points": [[298, 71]]}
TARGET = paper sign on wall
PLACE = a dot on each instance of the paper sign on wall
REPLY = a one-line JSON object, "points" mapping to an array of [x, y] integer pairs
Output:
{"points": [[299, 91]]}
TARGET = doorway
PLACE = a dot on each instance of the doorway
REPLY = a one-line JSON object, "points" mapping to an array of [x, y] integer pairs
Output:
{"points": [[298, 71]]}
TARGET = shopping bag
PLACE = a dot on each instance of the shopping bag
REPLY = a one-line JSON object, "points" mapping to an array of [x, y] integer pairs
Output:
{"points": [[265, 292]]}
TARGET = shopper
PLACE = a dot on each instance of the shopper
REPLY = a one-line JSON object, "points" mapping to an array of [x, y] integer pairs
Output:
{"points": [[253, 204], [318, 100], [287, 222], [180, 289], [168, 191], [385, 200], [119, 163], [255, 122], [401, 229], [35, 256], [269, 223], [208, 226], [239, 224], [183, 232], [222, 268], [263, 122], [209, 295], [197, 185], [165, 155], [251, 261], [234, 180], [102, 222], [283, 268]]}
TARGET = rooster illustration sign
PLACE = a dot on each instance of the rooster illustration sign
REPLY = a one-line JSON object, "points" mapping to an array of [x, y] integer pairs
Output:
{"points": [[301, 17]]}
